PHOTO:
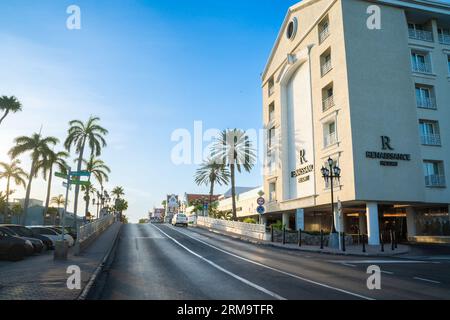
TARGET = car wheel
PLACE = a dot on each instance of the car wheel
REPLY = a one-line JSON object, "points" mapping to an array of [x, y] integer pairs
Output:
{"points": [[16, 253]]}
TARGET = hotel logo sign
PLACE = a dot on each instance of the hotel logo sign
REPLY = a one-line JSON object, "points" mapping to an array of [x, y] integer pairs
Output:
{"points": [[388, 159], [303, 172]]}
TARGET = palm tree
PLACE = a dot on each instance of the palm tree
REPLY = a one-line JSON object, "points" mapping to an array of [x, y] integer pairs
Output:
{"points": [[210, 173], [80, 134], [118, 192], [46, 165], [234, 150], [40, 149], [100, 171], [12, 171], [9, 104], [59, 201]]}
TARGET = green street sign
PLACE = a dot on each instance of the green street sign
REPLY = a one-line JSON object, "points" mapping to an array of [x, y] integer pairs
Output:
{"points": [[61, 175], [80, 183], [83, 173]]}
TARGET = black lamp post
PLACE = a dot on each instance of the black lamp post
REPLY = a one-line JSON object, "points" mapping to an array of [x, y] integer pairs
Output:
{"points": [[334, 172]]}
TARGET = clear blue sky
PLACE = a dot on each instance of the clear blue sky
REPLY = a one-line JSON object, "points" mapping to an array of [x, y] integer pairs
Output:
{"points": [[146, 68]]}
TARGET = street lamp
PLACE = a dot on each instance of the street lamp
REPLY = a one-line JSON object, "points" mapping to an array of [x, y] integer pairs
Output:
{"points": [[334, 172]]}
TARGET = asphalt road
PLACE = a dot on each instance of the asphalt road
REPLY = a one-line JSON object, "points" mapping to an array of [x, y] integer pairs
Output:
{"points": [[164, 262]]}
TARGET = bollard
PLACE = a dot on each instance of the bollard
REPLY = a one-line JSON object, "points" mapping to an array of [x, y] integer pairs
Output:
{"points": [[392, 240], [321, 239], [381, 241], [271, 232], [363, 243], [395, 239], [299, 237], [343, 241], [284, 235]]}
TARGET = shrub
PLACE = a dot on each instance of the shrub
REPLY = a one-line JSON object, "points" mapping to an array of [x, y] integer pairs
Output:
{"points": [[249, 220]]}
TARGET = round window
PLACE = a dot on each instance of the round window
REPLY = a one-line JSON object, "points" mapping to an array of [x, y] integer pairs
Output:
{"points": [[291, 29]]}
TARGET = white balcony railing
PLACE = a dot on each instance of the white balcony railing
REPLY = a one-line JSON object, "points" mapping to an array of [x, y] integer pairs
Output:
{"points": [[326, 67], [272, 196], [422, 67], [444, 39], [327, 103], [330, 139], [421, 35], [324, 34], [435, 180], [427, 103], [431, 139]]}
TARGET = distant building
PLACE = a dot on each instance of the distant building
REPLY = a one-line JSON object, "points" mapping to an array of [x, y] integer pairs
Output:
{"points": [[189, 199], [245, 202]]}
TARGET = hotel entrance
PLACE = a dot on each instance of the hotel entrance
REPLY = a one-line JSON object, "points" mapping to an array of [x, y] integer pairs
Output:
{"points": [[393, 218]]}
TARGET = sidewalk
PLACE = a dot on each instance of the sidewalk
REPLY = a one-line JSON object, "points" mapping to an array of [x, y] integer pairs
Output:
{"points": [[41, 278], [351, 250]]}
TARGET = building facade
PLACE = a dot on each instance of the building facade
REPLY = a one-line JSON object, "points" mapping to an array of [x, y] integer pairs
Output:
{"points": [[246, 202], [367, 84]]}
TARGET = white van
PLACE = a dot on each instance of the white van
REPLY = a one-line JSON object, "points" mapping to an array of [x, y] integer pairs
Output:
{"points": [[180, 219]]}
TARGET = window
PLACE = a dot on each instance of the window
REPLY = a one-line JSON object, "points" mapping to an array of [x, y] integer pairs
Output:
{"points": [[420, 62], [272, 191], [448, 63], [271, 138], [434, 173], [444, 35], [271, 86], [419, 32], [325, 62], [271, 112], [425, 97], [429, 133], [327, 97], [324, 30], [330, 136]]}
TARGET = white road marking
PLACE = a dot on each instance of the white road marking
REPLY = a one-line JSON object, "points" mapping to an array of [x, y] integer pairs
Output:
{"points": [[377, 261], [426, 280], [247, 282], [278, 270], [387, 272], [349, 265]]}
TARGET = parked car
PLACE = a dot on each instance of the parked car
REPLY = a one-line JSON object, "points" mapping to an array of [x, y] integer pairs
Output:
{"points": [[67, 230], [52, 234], [14, 248], [38, 245], [26, 232], [180, 219]]}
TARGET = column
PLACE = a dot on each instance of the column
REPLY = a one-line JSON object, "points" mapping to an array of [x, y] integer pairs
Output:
{"points": [[285, 219], [373, 228], [411, 222], [300, 219]]}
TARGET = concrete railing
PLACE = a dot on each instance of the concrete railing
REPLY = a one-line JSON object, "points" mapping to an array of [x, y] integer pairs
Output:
{"points": [[88, 232], [256, 231]]}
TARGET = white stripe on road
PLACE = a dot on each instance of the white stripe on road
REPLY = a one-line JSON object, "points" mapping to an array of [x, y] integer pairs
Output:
{"points": [[426, 280], [247, 282], [387, 272], [349, 265], [277, 270], [377, 261]]}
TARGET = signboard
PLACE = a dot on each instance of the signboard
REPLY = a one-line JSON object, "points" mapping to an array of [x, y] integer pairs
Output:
{"points": [[61, 175], [260, 209], [260, 201], [172, 204], [80, 183], [83, 173], [387, 159]]}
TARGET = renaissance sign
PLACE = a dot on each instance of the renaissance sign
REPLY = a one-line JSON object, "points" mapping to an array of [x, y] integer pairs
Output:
{"points": [[301, 172], [389, 159]]}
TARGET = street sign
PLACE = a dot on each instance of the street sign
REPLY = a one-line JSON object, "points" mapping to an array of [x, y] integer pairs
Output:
{"points": [[80, 183], [64, 184], [260, 209], [82, 173], [61, 175], [260, 201]]}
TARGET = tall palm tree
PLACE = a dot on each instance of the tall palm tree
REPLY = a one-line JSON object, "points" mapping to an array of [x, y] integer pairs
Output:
{"points": [[80, 135], [100, 171], [12, 171], [210, 173], [9, 105], [40, 148], [118, 192], [58, 201], [234, 150], [46, 165]]}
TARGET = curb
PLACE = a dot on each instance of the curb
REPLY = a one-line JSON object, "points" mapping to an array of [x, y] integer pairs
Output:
{"points": [[86, 290], [269, 244]]}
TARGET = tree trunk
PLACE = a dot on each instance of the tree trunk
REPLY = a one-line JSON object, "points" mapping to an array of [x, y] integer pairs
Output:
{"points": [[88, 198], [233, 192], [211, 193], [77, 187], [49, 187], [27, 195], [7, 196], [4, 115]]}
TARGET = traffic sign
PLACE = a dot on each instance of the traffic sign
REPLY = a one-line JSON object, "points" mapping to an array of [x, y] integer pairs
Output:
{"points": [[80, 183], [82, 173], [260, 209], [61, 175], [260, 201]]}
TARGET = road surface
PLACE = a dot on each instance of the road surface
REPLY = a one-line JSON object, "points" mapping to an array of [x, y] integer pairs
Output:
{"points": [[158, 261]]}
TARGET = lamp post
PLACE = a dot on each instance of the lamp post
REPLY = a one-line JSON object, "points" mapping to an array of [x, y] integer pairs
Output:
{"points": [[334, 172]]}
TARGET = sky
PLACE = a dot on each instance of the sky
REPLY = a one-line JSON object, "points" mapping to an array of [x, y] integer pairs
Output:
{"points": [[147, 69]]}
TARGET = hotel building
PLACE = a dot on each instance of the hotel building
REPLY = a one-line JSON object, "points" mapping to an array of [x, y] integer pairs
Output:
{"points": [[367, 84]]}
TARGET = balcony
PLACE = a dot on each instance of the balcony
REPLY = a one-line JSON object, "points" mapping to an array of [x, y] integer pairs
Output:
{"points": [[325, 67], [327, 103], [324, 34], [444, 39], [431, 139], [422, 67], [272, 196], [435, 180], [420, 35], [426, 103], [330, 139]]}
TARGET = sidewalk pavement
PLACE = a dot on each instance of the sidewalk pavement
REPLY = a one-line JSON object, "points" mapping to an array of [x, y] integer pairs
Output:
{"points": [[351, 250], [41, 278]]}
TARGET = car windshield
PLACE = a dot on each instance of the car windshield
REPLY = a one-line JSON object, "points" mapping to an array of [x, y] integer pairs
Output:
{"points": [[21, 231], [8, 232]]}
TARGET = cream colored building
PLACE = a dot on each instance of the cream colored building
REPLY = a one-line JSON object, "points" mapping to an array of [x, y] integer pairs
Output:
{"points": [[366, 83], [245, 203]]}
